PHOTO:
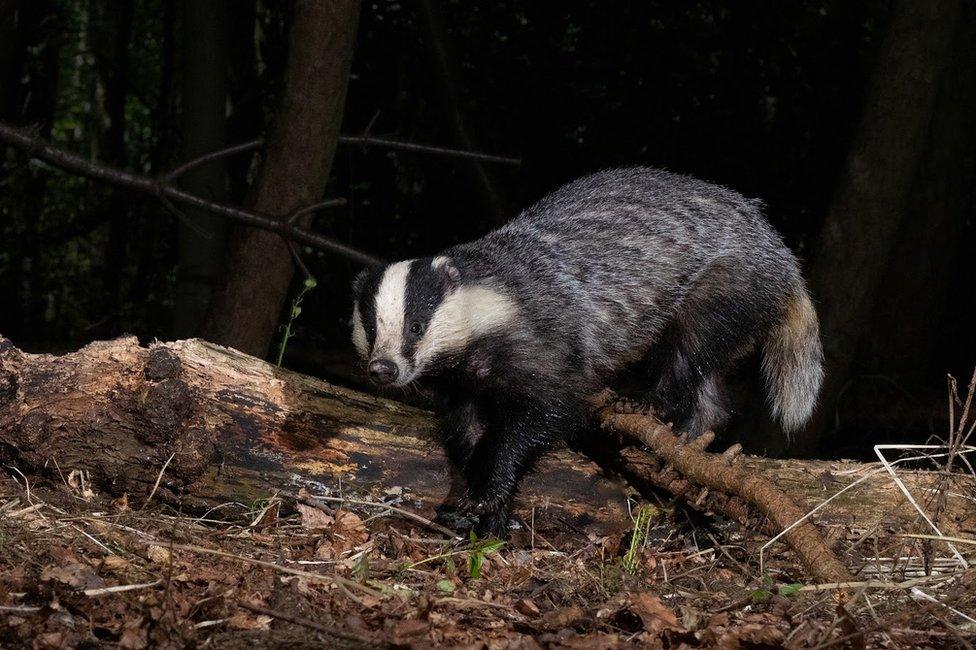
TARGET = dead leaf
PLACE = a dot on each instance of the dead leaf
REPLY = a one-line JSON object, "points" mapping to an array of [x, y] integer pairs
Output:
{"points": [[75, 574], [324, 550], [654, 615], [268, 515], [134, 635], [313, 518], [564, 617], [405, 629], [526, 607], [242, 621], [350, 529], [752, 635], [114, 563]]}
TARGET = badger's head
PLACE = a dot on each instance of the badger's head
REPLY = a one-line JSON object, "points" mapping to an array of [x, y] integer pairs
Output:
{"points": [[414, 317]]}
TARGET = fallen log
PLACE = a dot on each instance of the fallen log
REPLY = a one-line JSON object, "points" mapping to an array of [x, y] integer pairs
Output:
{"points": [[229, 428]]}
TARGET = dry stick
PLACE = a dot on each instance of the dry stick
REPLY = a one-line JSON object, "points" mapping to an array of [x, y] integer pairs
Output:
{"points": [[391, 143], [400, 511], [164, 190], [277, 567], [312, 625], [710, 471]]}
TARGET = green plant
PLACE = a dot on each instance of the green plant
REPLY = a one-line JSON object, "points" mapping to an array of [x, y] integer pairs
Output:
{"points": [[360, 569], [646, 513], [296, 310], [478, 550]]}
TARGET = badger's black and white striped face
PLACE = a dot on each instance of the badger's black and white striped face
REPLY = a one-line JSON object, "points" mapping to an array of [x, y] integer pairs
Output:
{"points": [[409, 315]]}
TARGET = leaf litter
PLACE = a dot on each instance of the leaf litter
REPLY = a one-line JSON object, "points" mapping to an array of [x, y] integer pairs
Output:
{"points": [[80, 569]]}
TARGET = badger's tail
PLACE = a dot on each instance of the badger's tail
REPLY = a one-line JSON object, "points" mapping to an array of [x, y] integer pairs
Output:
{"points": [[793, 361]]}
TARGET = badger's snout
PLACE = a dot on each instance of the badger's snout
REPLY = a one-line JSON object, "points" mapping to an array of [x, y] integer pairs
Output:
{"points": [[383, 371]]}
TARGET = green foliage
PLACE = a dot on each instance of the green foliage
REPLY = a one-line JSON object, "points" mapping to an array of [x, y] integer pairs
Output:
{"points": [[360, 570], [765, 592], [478, 550], [296, 311], [445, 586], [646, 513]]}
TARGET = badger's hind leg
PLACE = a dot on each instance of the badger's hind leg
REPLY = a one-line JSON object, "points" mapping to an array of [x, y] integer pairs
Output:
{"points": [[715, 327]]}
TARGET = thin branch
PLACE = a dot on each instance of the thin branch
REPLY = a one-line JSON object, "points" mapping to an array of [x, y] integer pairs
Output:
{"points": [[37, 148], [315, 207], [213, 155], [364, 139], [401, 145]]}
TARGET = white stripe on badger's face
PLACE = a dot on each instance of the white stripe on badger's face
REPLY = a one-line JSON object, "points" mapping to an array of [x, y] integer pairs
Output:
{"points": [[390, 306], [359, 339], [465, 314]]}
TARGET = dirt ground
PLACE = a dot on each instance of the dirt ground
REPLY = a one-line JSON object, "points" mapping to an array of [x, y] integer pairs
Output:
{"points": [[79, 569]]}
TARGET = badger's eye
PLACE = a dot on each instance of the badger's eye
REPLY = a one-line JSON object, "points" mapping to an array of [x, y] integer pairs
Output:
{"points": [[415, 327]]}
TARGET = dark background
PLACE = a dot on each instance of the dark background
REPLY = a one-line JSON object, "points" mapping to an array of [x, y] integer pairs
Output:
{"points": [[853, 121]]}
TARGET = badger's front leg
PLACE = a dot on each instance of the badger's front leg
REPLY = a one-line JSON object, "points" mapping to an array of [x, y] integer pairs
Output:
{"points": [[504, 454]]}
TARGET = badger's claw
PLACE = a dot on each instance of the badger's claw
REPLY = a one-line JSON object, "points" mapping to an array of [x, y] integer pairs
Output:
{"points": [[492, 525], [473, 505], [629, 406]]}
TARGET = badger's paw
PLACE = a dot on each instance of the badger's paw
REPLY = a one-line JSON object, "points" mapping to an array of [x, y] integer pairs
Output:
{"points": [[492, 525], [629, 406], [474, 504]]}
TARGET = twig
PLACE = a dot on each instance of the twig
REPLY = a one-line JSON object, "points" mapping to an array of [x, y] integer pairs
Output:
{"points": [[118, 589], [162, 188], [405, 513], [312, 625], [19, 609], [277, 567], [213, 155], [159, 479], [390, 143]]}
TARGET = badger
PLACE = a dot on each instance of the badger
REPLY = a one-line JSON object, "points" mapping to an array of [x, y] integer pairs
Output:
{"points": [[510, 333]]}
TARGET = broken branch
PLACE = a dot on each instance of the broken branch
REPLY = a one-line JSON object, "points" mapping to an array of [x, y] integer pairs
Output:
{"points": [[163, 189], [689, 462]]}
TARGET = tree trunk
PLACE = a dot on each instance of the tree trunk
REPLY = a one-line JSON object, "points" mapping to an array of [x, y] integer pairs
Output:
{"points": [[914, 295], [247, 302], [862, 225], [203, 118], [231, 428], [111, 32]]}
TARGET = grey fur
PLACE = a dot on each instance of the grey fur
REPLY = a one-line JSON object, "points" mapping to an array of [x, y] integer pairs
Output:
{"points": [[617, 267]]}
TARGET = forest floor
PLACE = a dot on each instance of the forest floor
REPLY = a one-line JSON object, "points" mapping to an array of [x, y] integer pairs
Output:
{"points": [[80, 569]]}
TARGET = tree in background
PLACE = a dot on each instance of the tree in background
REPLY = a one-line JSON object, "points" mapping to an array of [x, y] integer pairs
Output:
{"points": [[862, 225], [203, 123], [248, 299]]}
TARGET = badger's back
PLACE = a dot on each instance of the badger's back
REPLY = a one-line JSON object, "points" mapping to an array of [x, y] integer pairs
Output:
{"points": [[602, 263]]}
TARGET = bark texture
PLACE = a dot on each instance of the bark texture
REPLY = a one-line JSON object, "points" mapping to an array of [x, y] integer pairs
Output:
{"points": [[862, 225], [239, 429], [248, 300], [236, 429]]}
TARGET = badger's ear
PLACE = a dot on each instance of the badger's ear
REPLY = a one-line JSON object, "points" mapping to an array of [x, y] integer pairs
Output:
{"points": [[447, 266], [359, 282]]}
